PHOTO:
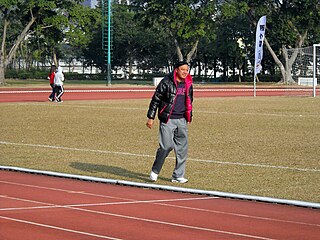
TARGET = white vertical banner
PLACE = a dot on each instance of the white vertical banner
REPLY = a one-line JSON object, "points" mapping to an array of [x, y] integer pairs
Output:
{"points": [[260, 33]]}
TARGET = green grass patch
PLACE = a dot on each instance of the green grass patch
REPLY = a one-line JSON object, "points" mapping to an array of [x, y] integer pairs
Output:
{"points": [[265, 146]]}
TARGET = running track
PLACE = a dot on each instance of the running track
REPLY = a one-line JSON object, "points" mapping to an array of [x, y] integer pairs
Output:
{"points": [[40, 95], [34, 206]]}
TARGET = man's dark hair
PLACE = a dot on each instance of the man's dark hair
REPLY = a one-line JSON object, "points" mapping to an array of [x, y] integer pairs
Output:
{"points": [[180, 63]]}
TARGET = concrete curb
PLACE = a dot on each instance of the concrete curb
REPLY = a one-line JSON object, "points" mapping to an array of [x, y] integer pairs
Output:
{"points": [[168, 188]]}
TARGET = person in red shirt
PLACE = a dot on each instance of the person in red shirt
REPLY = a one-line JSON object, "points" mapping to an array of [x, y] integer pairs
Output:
{"points": [[51, 80]]}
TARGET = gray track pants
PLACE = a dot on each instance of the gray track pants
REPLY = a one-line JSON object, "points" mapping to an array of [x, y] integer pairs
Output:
{"points": [[172, 135]]}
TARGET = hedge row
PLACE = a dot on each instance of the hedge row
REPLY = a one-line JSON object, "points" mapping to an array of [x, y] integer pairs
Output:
{"points": [[36, 74]]}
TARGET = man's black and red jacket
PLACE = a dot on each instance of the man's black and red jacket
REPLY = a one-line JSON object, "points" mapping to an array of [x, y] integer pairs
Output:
{"points": [[164, 98]]}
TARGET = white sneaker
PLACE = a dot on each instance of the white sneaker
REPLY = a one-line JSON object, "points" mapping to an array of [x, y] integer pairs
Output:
{"points": [[179, 180], [153, 176]]}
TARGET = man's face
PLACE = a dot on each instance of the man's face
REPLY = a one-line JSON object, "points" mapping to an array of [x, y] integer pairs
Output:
{"points": [[182, 72]]}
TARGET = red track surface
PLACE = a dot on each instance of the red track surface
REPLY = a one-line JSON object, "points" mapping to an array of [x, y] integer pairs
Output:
{"points": [[41, 95], [42, 207]]}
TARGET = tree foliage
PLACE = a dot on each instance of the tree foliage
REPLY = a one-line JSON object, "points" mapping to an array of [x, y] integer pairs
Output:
{"points": [[290, 24], [184, 20], [211, 34], [42, 23]]}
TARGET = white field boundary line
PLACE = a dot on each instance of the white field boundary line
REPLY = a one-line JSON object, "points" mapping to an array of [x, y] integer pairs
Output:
{"points": [[168, 188], [152, 90], [79, 91], [57, 228], [162, 202], [152, 156], [144, 109], [143, 220], [257, 114]]}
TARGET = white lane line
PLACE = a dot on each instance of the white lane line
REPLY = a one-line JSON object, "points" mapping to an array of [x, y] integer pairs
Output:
{"points": [[50, 205], [146, 220], [63, 190], [174, 224], [133, 201], [58, 228], [152, 156], [240, 215]]}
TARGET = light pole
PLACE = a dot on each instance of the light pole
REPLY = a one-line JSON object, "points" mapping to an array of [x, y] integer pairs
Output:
{"points": [[106, 36]]}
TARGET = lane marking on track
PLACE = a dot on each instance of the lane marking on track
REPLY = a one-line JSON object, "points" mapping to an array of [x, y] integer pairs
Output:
{"points": [[127, 200], [241, 215], [133, 201], [75, 192], [152, 156], [58, 228], [143, 220], [63, 190]]}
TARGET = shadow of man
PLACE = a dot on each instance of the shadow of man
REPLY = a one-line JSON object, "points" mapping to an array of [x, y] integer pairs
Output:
{"points": [[122, 172]]}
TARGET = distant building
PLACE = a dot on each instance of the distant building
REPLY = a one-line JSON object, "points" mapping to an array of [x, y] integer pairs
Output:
{"points": [[91, 3]]}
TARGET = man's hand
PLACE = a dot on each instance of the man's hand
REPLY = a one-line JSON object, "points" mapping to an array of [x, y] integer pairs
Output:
{"points": [[149, 123]]}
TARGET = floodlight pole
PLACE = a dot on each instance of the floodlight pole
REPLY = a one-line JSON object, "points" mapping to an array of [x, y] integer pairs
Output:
{"points": [[109, 44], [107, 50]]}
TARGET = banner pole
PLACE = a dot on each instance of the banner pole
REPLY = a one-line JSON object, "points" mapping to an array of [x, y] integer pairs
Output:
{"points": [[260, 35], [255, 85]]}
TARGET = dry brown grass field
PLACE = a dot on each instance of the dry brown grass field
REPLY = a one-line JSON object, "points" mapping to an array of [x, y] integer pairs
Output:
{"points": [[264, 146]]}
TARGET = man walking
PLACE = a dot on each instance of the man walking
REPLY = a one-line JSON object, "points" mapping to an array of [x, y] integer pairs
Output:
{"points": [[173, 100]]}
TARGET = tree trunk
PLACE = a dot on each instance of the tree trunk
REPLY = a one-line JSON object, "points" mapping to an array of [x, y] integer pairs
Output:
{"points": [[179, 53], [5, 59], [286, 69], [55, 60], [192, 51], [2, 52], [2, 79], [240, 67], [19, 40], [277, 60], [215, 67], [130, 67], [190, 54], [199, 69], [288, 65]]}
